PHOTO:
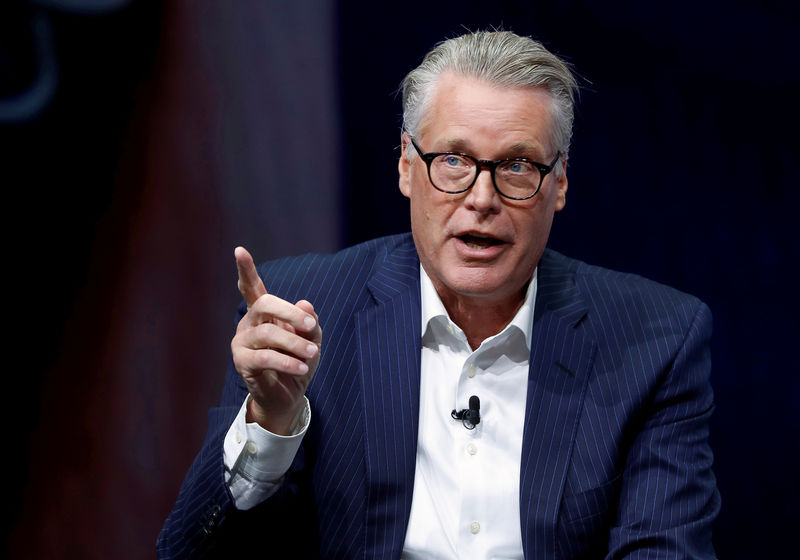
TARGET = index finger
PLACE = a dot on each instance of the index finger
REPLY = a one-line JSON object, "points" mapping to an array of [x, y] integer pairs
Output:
{"points": [[250, 285]]}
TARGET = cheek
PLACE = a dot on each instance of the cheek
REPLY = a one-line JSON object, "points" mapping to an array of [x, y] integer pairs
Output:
{"points": [[426, 209], [533, 226]]}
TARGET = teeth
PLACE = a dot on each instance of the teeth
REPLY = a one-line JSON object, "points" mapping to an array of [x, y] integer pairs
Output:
{"points": [[478, 241]]}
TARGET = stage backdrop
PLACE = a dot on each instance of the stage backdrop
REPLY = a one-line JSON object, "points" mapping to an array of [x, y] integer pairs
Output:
{"points": [[142, 141]]}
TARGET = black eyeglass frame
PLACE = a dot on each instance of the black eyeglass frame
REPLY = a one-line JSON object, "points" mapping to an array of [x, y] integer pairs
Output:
{"points": [[480, 165]]}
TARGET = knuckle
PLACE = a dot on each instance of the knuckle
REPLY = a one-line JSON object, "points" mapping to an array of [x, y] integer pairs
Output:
{"points": [[261, 359], [240, 362], [269, 332], [258, 305], [287, 363], [298, 346], [236, 348]]}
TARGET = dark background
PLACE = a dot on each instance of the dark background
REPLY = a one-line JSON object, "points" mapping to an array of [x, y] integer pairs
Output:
{"points": [[142, 141]]}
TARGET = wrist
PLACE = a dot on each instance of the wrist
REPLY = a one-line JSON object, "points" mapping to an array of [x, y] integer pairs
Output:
{"points": [[279, 423]]}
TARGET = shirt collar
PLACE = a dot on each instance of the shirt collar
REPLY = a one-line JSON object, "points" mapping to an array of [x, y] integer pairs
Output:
{"points": [[432, 307]]}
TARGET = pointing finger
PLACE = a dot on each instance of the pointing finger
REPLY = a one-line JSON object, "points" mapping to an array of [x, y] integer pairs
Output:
{"points": [[250, 285]]}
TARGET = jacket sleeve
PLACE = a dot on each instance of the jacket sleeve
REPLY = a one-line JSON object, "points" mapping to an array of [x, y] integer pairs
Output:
{"points": [[668, 496], [204, 523], [204, 502]]}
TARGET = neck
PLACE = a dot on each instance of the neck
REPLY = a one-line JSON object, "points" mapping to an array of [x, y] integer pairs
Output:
{"points": [[479, 318]]}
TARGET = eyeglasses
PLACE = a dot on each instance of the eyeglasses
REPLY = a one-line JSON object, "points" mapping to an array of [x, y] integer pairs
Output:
{"points": [[514, 178]]}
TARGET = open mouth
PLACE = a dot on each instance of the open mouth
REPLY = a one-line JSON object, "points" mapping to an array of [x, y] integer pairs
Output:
{"points": [[474, 241]]}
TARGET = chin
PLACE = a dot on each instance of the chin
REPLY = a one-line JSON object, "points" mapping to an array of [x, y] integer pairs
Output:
{"points": [[479, 284]]}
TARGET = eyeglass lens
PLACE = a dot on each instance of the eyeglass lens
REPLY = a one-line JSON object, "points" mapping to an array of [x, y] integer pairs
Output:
{"points": [[455, 173]]}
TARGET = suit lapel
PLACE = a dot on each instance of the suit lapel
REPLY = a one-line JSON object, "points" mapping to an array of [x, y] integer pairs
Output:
{"points": [[389, 349], [561, 360]]}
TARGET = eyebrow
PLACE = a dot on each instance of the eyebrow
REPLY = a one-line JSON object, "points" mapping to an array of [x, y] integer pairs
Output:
{"points": [[456, 145], [524, 149]]}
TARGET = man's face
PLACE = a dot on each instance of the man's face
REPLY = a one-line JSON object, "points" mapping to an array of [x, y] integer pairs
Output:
{"points": [[478, 246]]}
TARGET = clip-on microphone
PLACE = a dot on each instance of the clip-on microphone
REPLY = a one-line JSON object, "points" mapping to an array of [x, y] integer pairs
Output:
{"points": [[471, 416]]}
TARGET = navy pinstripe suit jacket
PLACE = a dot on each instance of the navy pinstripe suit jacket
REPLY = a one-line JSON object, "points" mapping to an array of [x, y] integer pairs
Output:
{"points": [[615, 456]]}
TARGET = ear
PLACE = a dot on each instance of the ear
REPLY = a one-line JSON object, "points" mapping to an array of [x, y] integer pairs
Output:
{"points": [[404, 167], [561, 187]]}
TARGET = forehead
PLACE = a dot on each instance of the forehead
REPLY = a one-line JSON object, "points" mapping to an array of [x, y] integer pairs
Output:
{"points": [[476, 114]]}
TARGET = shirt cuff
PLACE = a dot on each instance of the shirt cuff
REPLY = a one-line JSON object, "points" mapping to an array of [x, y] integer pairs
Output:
{"points": [[256, 460]]}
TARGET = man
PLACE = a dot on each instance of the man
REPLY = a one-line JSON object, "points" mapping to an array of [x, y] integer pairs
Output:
{"points": [[588, 436]]}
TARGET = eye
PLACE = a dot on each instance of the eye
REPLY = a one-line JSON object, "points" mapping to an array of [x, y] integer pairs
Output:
{"points": [[451, 160], [518, 167]]}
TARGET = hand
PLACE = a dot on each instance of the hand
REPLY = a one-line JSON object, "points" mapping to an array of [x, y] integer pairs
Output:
{"points": [[276, 350]]}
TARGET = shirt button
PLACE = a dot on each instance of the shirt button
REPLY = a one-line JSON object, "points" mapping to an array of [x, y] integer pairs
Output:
{"points": [[252, 448], [472, 449], [238, 436], [474, 527], [471, 370], [450, 329]]}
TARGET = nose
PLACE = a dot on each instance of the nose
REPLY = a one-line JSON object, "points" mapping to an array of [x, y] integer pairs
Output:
{"points": [[483, 197]]}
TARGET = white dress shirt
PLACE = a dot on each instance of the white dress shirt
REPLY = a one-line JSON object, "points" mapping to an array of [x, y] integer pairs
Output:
{"points": [[256, 460], [466, 483]]}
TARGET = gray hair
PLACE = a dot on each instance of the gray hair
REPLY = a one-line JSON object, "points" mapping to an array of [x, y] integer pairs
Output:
{"points": [[501, 58]]}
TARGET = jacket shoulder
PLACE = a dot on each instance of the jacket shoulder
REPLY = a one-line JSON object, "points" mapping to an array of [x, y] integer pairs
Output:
{"points": [[622, 299], [312, 273], [594, 281]]}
